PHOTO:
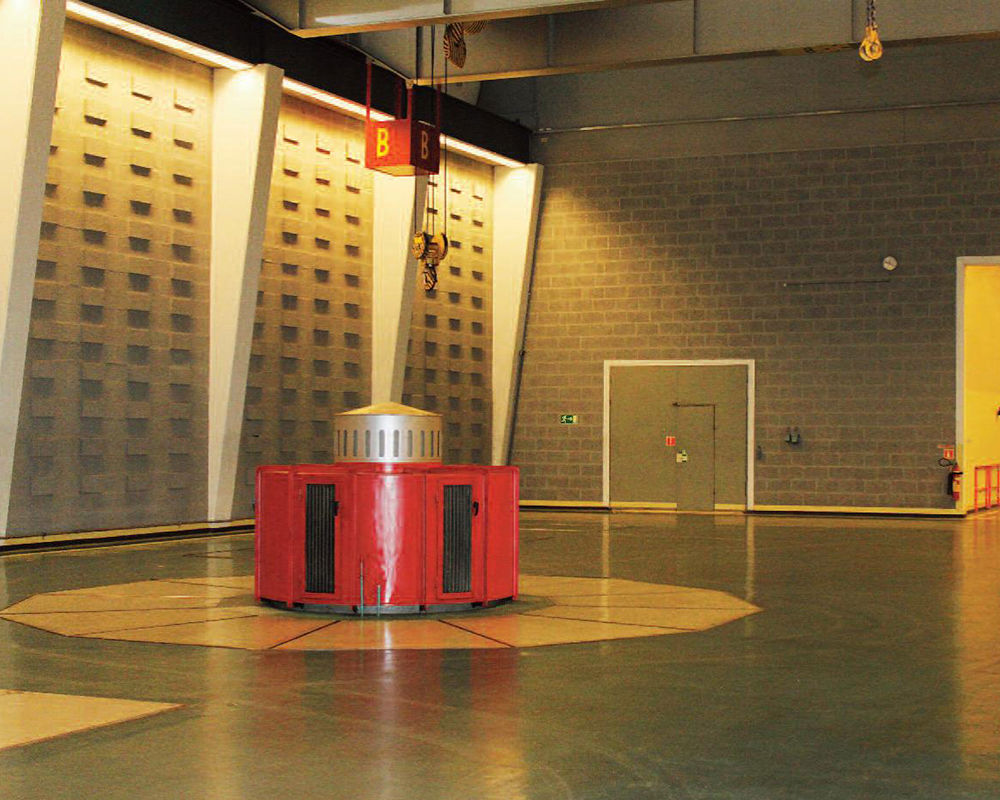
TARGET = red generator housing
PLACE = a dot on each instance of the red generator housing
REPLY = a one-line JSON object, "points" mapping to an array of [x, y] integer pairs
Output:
{"points": [[396, 533]]}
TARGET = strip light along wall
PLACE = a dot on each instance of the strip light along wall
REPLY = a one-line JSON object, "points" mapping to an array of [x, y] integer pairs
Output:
{"points": [[478, 153], [300, 89], [143, 33], [213, 58]]}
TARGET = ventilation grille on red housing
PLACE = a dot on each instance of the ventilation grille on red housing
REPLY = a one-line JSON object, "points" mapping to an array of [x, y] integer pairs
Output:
{"points": [[457, 546], [321, 524]]}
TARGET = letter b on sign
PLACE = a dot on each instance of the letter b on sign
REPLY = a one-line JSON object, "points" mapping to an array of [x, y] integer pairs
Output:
{"points": [[381, 142], [425, 145]]}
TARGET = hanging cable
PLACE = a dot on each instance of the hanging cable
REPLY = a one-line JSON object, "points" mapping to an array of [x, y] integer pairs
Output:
{"points": [[443, 90], [428, 260], [428, 245], [433, 194], [368, 94]]}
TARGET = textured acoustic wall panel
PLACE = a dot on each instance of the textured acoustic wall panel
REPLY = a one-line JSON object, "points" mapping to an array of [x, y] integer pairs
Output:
{"points": [[113, 414], [448, 363], [311, 355]]}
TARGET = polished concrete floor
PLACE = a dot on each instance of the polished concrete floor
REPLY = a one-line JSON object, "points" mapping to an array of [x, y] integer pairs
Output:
{"points": [[871, 670]]}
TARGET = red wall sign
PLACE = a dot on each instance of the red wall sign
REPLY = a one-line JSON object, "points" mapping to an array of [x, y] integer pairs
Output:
{"points": [[670, 441], [402, 147]]}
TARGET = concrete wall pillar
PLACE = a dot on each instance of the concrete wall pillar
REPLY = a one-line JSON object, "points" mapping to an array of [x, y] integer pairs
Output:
{"points": [[516, 197], [30, 44], [244, 125], [398, 201]]}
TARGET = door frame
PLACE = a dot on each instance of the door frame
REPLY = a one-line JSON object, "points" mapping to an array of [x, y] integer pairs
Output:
{"points": [[963, 505], [749, 363]]}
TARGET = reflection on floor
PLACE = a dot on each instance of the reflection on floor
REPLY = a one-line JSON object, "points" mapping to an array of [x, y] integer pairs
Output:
{"points": [[872, 671], [220, 612], [28, 717]]}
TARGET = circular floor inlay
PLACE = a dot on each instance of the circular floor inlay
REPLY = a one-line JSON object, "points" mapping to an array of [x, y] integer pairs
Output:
{"points": [[221, 612]]}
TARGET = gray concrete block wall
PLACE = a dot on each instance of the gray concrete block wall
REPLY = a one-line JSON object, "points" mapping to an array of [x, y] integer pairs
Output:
{"points": [[775, 257]]}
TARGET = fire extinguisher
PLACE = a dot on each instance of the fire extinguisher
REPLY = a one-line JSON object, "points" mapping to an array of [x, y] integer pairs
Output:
{"points": [[955, 482]]}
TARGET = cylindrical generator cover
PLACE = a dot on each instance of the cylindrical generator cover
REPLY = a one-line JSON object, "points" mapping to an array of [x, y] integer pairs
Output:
{"points": [[388, 433]]}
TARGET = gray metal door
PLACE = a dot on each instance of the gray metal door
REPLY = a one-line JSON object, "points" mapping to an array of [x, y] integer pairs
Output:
{"points": [[642, 410], [658, 412], [695, 458]]}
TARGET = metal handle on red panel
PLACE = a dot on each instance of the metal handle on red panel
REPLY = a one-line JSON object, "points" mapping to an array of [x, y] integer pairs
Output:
{"points": [[361, 605], [475, 508]]}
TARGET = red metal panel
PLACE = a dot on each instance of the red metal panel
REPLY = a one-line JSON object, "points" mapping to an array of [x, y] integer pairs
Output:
{"points": [[434, 563], [273, 530], [390, 536], [345, 537], [502, 532]]}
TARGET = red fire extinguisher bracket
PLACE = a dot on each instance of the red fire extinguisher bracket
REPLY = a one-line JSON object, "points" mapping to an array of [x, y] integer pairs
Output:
{"points": [[955, 483]]}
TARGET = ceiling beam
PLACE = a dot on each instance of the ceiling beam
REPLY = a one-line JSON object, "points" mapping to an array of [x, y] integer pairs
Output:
{"points": [[534, 38], [657, 34], [338, 17], [609, 64]]}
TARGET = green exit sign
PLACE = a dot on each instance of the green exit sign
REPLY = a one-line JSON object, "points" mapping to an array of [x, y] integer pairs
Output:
{"points": [[569, 419]]}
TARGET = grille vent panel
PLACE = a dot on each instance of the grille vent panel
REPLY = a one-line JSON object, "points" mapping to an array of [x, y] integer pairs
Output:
{"points": [[457, 547], [321, 526]]}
